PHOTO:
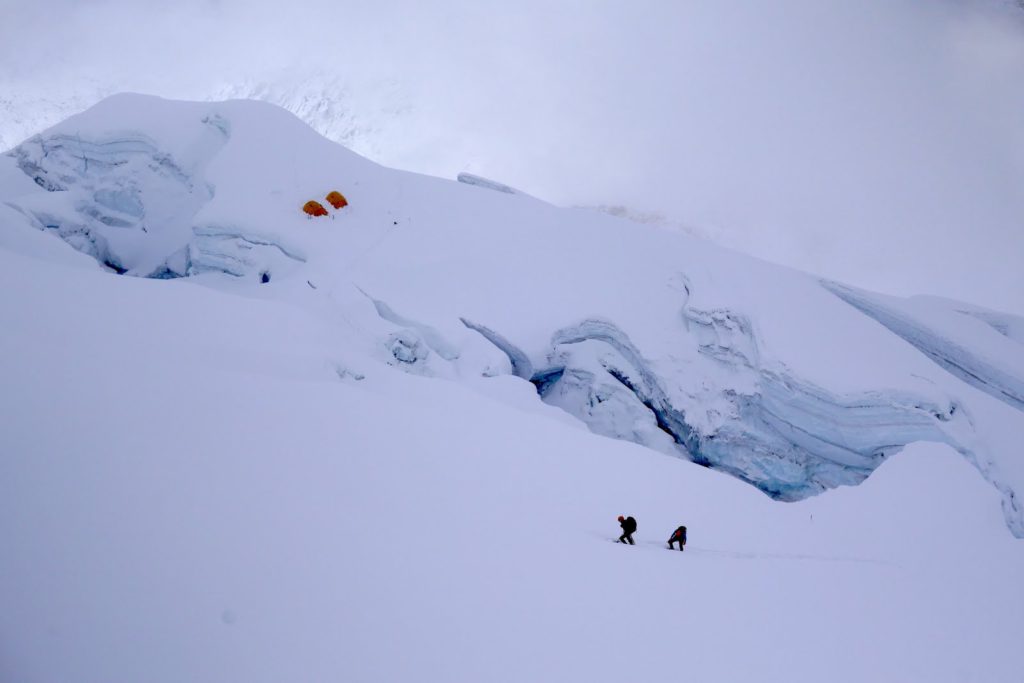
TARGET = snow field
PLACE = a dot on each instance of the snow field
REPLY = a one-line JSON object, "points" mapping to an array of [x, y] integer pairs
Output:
{"points": [[169, 516]]}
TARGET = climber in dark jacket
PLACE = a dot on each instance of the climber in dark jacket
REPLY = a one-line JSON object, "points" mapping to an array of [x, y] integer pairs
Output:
{"points": [[678, 535], [628, 525]]}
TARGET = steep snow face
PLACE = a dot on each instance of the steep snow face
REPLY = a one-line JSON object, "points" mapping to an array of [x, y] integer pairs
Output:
{"points": [[786, 436], [112, 189], [985, 352], [642, 333]]}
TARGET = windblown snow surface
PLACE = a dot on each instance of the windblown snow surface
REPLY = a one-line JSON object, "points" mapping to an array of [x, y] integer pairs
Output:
{"points": [[372, 446]]}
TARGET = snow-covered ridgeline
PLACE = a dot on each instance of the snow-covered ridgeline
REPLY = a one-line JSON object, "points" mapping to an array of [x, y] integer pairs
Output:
{"points": [[993, 373], [356, 114]]}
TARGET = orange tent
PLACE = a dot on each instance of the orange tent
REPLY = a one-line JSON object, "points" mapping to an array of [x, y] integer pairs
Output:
{"points": [[314, 208], [337, 199]]}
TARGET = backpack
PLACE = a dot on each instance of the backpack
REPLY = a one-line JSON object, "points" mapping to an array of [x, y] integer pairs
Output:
{"points": [[630, 524], [681, 534]]}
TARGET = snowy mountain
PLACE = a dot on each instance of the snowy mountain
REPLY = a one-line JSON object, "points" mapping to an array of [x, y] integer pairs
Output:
{"points": [[350, 446], [358, 114], [26, 112]]}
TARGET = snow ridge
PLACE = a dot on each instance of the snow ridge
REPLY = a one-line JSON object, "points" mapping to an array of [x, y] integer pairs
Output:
{"points": [[955, 358]]}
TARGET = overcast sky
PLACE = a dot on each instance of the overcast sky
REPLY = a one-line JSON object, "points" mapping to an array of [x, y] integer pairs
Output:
{"points": [[879, 142]]}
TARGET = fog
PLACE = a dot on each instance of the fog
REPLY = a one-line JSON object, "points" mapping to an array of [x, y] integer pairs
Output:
{"points": [[877, 142]]}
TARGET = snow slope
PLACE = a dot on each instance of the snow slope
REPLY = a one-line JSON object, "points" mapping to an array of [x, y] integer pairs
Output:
{"points": [[642, 333], [342, 473], [191, 491]]}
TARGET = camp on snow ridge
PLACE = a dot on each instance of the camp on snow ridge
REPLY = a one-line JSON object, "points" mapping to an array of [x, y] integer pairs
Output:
{"points": [[334, 198]]}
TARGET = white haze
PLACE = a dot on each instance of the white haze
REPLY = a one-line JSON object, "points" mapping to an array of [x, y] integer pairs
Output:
{"points": [[877, 142]]}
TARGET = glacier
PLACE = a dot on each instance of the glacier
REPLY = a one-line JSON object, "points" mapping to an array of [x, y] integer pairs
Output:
{"points": [[789, 383]]}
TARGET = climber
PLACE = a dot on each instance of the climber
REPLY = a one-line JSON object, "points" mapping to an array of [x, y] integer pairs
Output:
{"points": [[678, 535], [314, 209], [628, 525]]}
